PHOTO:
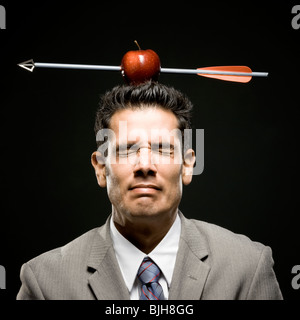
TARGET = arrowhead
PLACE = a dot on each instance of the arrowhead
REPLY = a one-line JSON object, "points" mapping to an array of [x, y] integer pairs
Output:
{"points": [[28, 65]]}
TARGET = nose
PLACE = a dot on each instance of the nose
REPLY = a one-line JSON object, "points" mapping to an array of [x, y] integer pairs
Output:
{"points": [[144, 165]]}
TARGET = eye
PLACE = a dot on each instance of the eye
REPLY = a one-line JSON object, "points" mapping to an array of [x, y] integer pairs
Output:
{"points": [[125, 151], [164, 149]]}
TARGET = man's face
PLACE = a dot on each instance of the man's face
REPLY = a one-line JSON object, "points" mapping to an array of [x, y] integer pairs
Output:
{"points": [[144, 172]]}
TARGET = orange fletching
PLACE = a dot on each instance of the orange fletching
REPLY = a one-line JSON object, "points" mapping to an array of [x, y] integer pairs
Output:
{"points": [[235, 78]]}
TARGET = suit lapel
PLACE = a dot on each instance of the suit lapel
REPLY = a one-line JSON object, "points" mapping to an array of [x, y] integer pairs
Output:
{"points": [[190, 271], [106, 282]]}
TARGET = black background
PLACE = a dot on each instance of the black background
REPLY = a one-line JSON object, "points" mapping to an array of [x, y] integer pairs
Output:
{"points": [[49, 193]]}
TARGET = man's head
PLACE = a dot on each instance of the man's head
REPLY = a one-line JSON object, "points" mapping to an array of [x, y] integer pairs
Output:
{"points": [[140, 187]]}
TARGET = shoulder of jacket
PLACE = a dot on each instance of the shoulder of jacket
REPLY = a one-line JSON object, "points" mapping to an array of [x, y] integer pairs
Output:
{"points": [[222, 239], [78, 247]]}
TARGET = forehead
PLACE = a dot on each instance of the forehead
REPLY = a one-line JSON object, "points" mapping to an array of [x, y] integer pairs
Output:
{"points": [[144, 118]]}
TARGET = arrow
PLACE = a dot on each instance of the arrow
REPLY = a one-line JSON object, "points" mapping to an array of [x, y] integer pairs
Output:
{"points": [[229, 73]]}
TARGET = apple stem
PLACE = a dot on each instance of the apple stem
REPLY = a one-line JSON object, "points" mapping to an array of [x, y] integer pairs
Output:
{"points": [[137, 44]]}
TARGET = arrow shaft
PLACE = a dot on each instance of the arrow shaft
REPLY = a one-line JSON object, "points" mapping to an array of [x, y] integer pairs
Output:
{"points": [[76, 66]]}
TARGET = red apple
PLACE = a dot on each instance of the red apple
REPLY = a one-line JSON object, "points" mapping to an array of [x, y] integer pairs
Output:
{"points": [[140, 65]]}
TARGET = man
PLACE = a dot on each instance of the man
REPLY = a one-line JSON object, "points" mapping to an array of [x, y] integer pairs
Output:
{"points": [[147, 249]]}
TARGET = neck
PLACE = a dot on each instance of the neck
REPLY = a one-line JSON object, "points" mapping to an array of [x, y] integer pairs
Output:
{"points": [[144, 232]]}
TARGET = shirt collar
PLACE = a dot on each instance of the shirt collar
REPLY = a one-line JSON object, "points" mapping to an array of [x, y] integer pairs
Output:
{"points": [[130, 257]]}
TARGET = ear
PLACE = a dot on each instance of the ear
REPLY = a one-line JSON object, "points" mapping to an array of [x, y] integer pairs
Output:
{"points": [[99, 165], [187, 166]]}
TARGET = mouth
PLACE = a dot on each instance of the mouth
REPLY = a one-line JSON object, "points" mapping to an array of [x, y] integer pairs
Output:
{"points": [[144, 188]]}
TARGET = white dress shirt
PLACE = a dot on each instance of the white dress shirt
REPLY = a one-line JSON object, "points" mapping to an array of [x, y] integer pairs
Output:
{"points": [[130, 258]]}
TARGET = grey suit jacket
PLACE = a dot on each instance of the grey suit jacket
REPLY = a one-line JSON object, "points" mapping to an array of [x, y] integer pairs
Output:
{"points": [[212, 263]]}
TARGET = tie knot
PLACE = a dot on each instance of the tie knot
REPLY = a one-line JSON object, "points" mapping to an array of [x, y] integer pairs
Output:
{"points": [[148, 271]]}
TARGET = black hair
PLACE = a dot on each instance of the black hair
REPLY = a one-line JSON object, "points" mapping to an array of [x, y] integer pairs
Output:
{"points": [[147, 94]]}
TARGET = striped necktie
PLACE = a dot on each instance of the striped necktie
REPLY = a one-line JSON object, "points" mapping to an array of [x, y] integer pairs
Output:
{"points": [[149, 274]]}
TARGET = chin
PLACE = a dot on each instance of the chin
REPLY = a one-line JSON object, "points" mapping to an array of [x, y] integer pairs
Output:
{"points": [[148, 211], [144, 212]]}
